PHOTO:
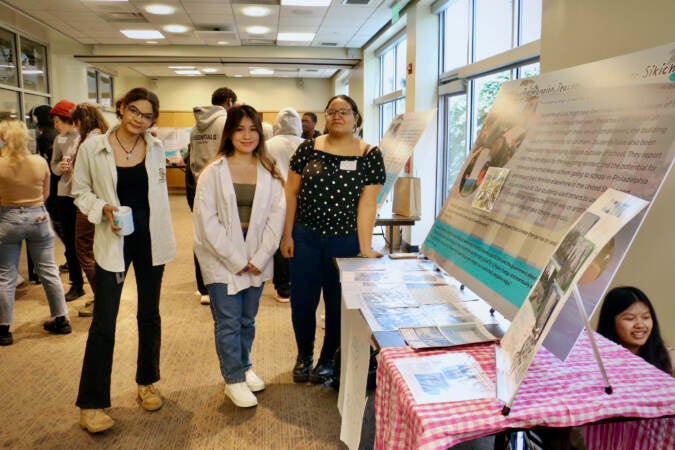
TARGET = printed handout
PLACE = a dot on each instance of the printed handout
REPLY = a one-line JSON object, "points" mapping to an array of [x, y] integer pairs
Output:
{"points": [[447, 335]]}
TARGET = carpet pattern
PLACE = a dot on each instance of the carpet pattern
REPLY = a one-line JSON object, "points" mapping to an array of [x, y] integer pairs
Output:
{"points": [[39, 375]]}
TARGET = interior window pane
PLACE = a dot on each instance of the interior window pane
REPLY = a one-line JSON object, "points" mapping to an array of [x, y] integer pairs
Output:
{"points": [[493, 20], [530, 70], [485, 90], [456, 35], [387, 114], [400, 106], [106, 89], [9, 104], [455, 138], [388, 72], [401, 50], [8, 72], [33, 65], [530, 21], [92, 86]]}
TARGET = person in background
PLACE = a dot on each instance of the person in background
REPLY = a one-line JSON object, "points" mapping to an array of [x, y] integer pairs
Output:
{"points": [[125, 166], [309, 120], [287, 130], [627, 317], [24, 187], [331, 196], [205, 141], [90, 122], [63, 157], [238, 218]]}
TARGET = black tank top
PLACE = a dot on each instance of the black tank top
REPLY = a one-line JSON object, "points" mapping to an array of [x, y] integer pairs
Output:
{"points": [[132, 186]]}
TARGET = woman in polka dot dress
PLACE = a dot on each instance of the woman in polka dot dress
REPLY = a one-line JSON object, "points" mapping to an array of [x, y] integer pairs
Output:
{"points": [[331, 196]]}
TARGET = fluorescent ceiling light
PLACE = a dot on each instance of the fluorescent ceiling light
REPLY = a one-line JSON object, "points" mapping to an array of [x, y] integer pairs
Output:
{"points": [[175, 28], [222, 42], [142, 34], [151, 42], [257, 29], [209, 70], [323, 3], [260, 71], [181, 67], [161, 10], [187, 72], [304, 37], [238, 75], [105, 1], [32, 72], [256, 11]]}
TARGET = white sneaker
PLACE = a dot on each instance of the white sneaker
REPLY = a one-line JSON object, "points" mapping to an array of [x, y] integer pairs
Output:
{"points": [[241, 395], [204, 299], [253, 381], [281, 298]]}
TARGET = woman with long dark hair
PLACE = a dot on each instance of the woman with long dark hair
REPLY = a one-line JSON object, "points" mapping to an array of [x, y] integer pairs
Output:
{"points": [[627, 317], [124, 167], [331, 197], [238, 217], [90, 122]]}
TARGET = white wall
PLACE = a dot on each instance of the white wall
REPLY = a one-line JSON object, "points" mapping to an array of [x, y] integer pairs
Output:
{"points": [[579, 31]]}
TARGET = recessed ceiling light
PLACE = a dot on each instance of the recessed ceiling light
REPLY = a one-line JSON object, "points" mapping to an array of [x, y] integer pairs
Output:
{"points": [[187, 72], [260, 71], [209, 70], [175, 28], [222, 42], [181, 67], [304, 37], [306, 2], [256, 11], [142, 34], [257, 29], [162, 10]]}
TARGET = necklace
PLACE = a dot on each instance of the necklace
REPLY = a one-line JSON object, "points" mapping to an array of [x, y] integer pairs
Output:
{"points": [[128, 152]]}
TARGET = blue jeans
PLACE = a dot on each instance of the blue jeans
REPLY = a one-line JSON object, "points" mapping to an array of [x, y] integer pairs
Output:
{"points": [[234, 328], [313, 270], [31, 224]]}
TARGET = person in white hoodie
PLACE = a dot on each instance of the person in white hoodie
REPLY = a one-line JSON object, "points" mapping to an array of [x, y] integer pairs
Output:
{"points": [[238, 218], [287, 131], [205, 141]]}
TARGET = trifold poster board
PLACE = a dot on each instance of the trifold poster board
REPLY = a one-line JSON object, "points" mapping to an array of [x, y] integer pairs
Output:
{"points": [[565, 138], [570, 260], [398, 143]]}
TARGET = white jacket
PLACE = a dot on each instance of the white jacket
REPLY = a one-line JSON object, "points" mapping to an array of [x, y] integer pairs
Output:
{"points": [[95, 185], [287, 131], [218, 239]]}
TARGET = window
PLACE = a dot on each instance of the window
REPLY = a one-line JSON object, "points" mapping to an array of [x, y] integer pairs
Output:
{"points": [[33, 65], [392, 83], [8, 71], [99, 87], [472, 33]]}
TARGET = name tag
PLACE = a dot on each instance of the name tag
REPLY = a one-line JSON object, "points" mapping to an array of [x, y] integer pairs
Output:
{"points": [[162, 175], [348, 165]]}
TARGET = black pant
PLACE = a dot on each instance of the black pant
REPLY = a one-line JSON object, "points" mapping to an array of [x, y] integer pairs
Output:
{"points": [[190, 190], [94, 390], [282, 275], [68, 214]]}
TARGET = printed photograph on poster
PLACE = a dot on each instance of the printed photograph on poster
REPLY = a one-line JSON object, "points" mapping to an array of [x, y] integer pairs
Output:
{"points": [[450, 377], [489, 191], [572, 262], [544, 298], [446, 335]]}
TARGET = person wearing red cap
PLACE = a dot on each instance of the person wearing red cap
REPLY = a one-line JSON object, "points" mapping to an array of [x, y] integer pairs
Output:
{"points": [[63, 160]]}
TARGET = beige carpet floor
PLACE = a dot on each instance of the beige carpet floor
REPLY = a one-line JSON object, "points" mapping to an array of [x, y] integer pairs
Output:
{"points": [[39, 376]]}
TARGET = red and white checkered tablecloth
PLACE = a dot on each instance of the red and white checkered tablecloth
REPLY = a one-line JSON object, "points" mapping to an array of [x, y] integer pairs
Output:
{"points": [[553, 394]]}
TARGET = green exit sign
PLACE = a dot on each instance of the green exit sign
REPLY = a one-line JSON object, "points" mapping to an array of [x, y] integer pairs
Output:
{"points": [[395, 13]]}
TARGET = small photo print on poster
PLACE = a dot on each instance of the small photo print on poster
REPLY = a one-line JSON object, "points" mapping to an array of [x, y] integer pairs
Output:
{"points": [[582, 227]]}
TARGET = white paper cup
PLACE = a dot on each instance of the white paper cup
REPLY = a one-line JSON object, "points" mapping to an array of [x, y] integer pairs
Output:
{"points": [[125, 219]]}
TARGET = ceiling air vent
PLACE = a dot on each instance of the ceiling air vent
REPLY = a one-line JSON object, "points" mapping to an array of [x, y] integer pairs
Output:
{"points": [[329, 44], [257, 42], [226, 28], [358, 2], [128, 17]]}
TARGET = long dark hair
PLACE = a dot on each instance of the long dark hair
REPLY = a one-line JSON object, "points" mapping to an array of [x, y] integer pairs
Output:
{"points": [[618, 300], [234, 117], [139, 93], [89, 118]]}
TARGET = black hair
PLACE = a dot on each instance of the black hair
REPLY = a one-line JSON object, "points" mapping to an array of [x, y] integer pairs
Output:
{"points": [[221, 95], [312, 116], [42, 115], [618, 300], [352, 103], [136, 94]]}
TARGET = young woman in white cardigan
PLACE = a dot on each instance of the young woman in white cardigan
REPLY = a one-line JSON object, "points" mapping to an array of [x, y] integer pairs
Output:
{"points": [[238, 218]]}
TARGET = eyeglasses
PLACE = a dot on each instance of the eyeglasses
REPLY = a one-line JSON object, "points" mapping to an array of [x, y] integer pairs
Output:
{"points": [[342, 112], [139, 115]]}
